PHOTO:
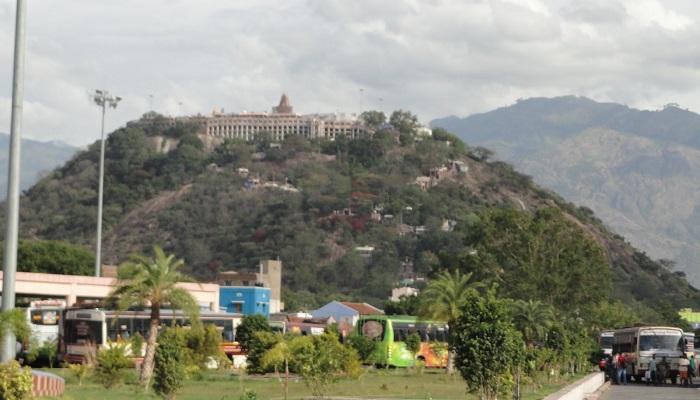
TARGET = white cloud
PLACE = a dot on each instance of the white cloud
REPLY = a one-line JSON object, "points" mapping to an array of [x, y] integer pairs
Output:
{"points": [[435, 57]]}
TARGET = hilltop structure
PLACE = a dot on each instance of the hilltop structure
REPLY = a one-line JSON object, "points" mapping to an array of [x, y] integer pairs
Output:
{"points": [[278, 124]]}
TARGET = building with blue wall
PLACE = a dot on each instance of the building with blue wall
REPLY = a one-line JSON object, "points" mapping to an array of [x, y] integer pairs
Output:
{"points": [[247, 300]]}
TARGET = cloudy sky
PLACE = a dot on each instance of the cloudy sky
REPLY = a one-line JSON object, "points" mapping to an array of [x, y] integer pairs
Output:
{"points": [[435, 58]]}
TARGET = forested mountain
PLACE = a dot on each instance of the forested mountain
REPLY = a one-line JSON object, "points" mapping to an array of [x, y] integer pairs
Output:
{"points": [[349, 219], [638, 170], [37, 158]]}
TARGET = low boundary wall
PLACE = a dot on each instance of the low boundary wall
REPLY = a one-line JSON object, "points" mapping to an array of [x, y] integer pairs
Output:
{"points": [[581, 389], [45, 384]]}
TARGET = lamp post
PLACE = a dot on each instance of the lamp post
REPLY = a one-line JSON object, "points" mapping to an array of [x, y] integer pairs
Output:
{"points": [[103, 99], [8, 349]]}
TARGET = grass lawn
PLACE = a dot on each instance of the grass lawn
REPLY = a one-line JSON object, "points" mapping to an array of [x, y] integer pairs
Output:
{"points": [[221, 385]]}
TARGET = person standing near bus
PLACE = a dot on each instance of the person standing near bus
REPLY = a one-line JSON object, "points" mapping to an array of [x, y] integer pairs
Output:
{"points": [[691, 369], [683, 365], [621, 369], [652, 370]]}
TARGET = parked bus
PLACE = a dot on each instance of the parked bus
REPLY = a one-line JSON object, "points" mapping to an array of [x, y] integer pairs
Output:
{"points": [[605, 342], [639, 343], [391, 331], [43, 318], [86, 328]]}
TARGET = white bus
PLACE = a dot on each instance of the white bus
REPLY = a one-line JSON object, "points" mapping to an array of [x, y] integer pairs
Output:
{"points": [[85, 330], [638, 344], [605, 341], [44, 319]]}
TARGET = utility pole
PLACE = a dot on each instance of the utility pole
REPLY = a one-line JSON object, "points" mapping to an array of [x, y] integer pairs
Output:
{"points": [[10, 259], [103, 99]]}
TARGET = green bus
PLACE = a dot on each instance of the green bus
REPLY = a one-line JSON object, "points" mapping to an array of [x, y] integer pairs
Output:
{"points": [[391, 331]]}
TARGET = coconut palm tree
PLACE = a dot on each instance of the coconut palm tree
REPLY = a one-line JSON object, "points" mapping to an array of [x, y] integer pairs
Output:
{"points": [[152, 281], [532, 318], [444, 297]]}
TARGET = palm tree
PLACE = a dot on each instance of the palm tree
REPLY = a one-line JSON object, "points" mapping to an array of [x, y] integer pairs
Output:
{"points": [[443, 299], [532, 319], [281, 353], [152, 281]]}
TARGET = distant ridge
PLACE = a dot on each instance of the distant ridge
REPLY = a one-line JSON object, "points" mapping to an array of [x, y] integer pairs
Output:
{"points": [[37, 158], [638, 170]]}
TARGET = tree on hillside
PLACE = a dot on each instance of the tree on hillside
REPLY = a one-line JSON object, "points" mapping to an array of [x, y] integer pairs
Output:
{"points": [[152, 281], [444, 298], [404, 121], [375, 119], [532, 318], [544, 257], [486, 344]]}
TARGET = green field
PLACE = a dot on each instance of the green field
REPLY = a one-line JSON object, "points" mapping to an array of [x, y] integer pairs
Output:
{"points": [[384, 384]]}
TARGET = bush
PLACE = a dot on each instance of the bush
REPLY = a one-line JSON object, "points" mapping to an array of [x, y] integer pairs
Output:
{"points": [[136, 345], [258, 346], [249, 326], [80, 371], [364, 346], [15, 381], [169, 371], [111, 363]]}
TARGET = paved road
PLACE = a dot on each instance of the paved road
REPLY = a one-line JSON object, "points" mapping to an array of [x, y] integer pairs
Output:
{"points": [[643, 392]]}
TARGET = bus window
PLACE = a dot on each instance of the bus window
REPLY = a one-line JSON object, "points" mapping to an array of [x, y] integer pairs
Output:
{"points": [[45, 317], [82, 332], [660, 342], [373, 329]]}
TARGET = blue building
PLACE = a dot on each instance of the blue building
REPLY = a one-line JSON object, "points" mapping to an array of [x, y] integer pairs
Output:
{"points": [[246, 300]]}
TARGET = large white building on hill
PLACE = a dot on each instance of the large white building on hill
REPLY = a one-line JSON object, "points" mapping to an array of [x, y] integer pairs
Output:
{"points": [[278, 124]]}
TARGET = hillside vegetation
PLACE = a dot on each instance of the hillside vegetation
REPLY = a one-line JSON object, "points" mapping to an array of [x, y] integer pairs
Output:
{"points": [[348, 219], [638, 170]]}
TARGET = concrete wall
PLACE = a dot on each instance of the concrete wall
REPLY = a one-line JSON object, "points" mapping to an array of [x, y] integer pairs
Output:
{"points": [[252, 299], [580, 389], [74, 287]]}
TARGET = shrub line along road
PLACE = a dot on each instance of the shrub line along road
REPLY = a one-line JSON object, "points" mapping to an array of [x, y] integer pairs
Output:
{"points": [[644, 392]]}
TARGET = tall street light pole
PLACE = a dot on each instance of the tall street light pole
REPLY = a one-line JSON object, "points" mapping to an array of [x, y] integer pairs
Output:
{"points": [[103, 99], [8, 350]]}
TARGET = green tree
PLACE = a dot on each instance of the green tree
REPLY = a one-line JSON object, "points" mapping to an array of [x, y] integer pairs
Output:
{"points": [[54, 257], [258, 346], [16, 322], [249, 326], [153, 281], [532, 318], [169, 371], [374, 119], [363, 345], [281, 354], [444, 299], [486, 344], [413, 345], [322, 360], [404, 121]]}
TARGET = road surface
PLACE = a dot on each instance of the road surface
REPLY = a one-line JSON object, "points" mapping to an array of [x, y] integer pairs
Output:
{"points": [[643, 392]]}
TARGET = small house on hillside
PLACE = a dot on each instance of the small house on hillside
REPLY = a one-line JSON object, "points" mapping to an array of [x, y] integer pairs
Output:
{"points": [[346, 314]]}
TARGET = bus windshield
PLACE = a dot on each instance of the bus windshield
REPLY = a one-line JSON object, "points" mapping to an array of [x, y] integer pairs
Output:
{"points": [[79, 332], [660, 342], [606, 342], [45, 317]]}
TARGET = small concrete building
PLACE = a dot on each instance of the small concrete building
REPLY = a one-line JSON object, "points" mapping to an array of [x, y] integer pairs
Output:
{"points": [[346, 314], [246, 300]]}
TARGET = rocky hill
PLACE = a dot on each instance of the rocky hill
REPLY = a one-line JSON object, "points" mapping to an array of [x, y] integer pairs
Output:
{"points": [[349, 219], [38, 158], [638, 170]]}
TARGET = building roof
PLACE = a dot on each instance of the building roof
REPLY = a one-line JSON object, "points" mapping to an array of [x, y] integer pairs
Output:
{"points": [[363, 308]]}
